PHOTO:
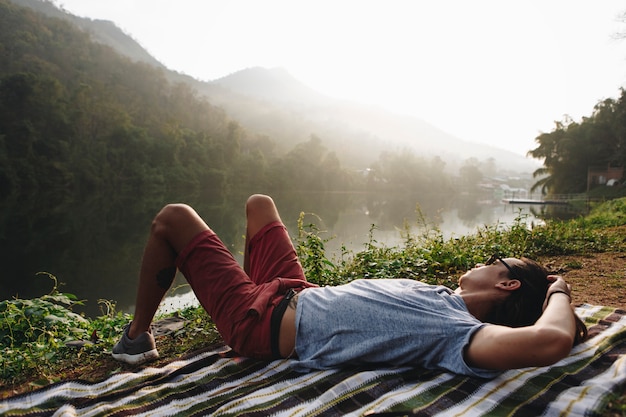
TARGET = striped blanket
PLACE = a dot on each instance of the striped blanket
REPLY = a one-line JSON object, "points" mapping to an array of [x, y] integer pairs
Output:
{"points": [[216, 382]]}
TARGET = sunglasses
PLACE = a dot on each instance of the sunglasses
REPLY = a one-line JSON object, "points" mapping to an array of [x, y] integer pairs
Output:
{"points": [[493, 258]]}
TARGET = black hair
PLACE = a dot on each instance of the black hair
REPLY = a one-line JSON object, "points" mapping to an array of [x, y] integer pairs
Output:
{"points": [[524, 306]]}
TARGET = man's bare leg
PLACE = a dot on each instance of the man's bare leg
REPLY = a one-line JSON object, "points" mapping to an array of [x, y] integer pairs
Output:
{"points": [[260, 211], [172, 229]]}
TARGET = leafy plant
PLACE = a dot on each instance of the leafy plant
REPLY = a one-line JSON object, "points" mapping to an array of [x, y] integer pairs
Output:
{"points": [[311, 250], [31, 331]]}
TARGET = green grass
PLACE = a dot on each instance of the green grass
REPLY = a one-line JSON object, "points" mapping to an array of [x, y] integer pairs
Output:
{"points": [[34, 333], [427, 256]]}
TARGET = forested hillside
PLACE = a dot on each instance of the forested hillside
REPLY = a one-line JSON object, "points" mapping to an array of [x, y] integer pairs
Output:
{"points": [[76, 116]]}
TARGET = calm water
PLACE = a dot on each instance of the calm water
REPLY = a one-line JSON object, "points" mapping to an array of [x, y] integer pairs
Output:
{"points": [[94, 245]]}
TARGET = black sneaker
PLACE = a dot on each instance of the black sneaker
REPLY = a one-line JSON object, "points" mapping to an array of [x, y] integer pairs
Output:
{"points": [[135, 351]]}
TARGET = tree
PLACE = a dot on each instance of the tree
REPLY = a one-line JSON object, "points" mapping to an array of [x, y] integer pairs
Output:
{"points": [[571, 148], [470, 174]]}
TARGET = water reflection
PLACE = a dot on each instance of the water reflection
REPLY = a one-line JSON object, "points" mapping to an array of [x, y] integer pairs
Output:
{"points": [[93, 245]]}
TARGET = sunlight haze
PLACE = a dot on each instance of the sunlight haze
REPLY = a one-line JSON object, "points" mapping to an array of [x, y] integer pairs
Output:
{"points": [[485, 71]]}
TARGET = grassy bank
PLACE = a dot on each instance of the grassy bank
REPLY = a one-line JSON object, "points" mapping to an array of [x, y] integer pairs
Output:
{"points": [[43, 341]]}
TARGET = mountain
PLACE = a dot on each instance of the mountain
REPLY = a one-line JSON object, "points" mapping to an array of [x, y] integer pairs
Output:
{"points": [[271, 102], [261, 97]]}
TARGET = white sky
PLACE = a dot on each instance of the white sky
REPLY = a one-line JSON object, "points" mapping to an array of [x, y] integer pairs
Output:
{"points": [[491, 71]]}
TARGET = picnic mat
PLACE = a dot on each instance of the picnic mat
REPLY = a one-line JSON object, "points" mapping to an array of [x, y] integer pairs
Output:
{"points": [[217, 382]]}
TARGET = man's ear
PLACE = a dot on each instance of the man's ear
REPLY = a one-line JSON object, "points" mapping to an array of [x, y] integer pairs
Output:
{"points": [[509, 285]]}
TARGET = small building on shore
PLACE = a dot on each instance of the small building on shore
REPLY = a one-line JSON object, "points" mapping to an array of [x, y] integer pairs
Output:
{"points": [[604, 175]]}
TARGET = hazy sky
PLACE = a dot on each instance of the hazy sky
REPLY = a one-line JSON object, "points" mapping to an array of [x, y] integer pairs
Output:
{"points": [[491, 71]]}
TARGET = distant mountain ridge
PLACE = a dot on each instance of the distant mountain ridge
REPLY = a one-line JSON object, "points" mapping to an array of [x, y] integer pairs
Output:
{"points": [[275, 85], [274, 103], [278, 88]]}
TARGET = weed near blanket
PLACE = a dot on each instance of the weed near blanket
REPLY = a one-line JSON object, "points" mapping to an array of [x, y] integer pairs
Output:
{"points": [[34, 333]]}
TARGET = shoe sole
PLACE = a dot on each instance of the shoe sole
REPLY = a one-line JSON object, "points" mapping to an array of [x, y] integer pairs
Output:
{"points": [[137, 358]]}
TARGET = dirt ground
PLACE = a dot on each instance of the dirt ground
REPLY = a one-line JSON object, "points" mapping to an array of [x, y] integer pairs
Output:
{"points": [[598, 279]]}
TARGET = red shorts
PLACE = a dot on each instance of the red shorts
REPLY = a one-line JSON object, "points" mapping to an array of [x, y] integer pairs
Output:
{"points": [[240, 305]]}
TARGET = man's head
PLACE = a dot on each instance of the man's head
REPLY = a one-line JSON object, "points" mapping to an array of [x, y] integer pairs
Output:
{"points": [[524, 304]]}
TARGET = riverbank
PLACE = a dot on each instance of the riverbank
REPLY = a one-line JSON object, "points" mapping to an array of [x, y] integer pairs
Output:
{"points": [[590, 253]]}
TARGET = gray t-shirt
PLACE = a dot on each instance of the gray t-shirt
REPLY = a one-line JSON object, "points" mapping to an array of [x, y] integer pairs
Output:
{"points": [[397, 322]]}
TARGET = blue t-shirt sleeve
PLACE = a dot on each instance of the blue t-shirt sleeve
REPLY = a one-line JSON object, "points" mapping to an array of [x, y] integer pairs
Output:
{"points": [[455, 362]]}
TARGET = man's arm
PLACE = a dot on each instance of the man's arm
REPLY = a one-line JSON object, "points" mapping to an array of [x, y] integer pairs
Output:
{"points": [[549, 340]]}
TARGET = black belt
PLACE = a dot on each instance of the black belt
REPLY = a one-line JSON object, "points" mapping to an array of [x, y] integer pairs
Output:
{"points": [[277, 316]]}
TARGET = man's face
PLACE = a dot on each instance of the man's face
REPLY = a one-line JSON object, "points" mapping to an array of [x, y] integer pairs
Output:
{"points": [[487, 275]]}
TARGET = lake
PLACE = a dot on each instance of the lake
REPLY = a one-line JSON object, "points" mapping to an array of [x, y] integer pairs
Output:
{"points": [[93, 245]]}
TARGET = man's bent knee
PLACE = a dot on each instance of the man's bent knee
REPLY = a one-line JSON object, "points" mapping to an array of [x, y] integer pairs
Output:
{"points": [[170, 216], [260, 202], [177, 224], [260, 211]]}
